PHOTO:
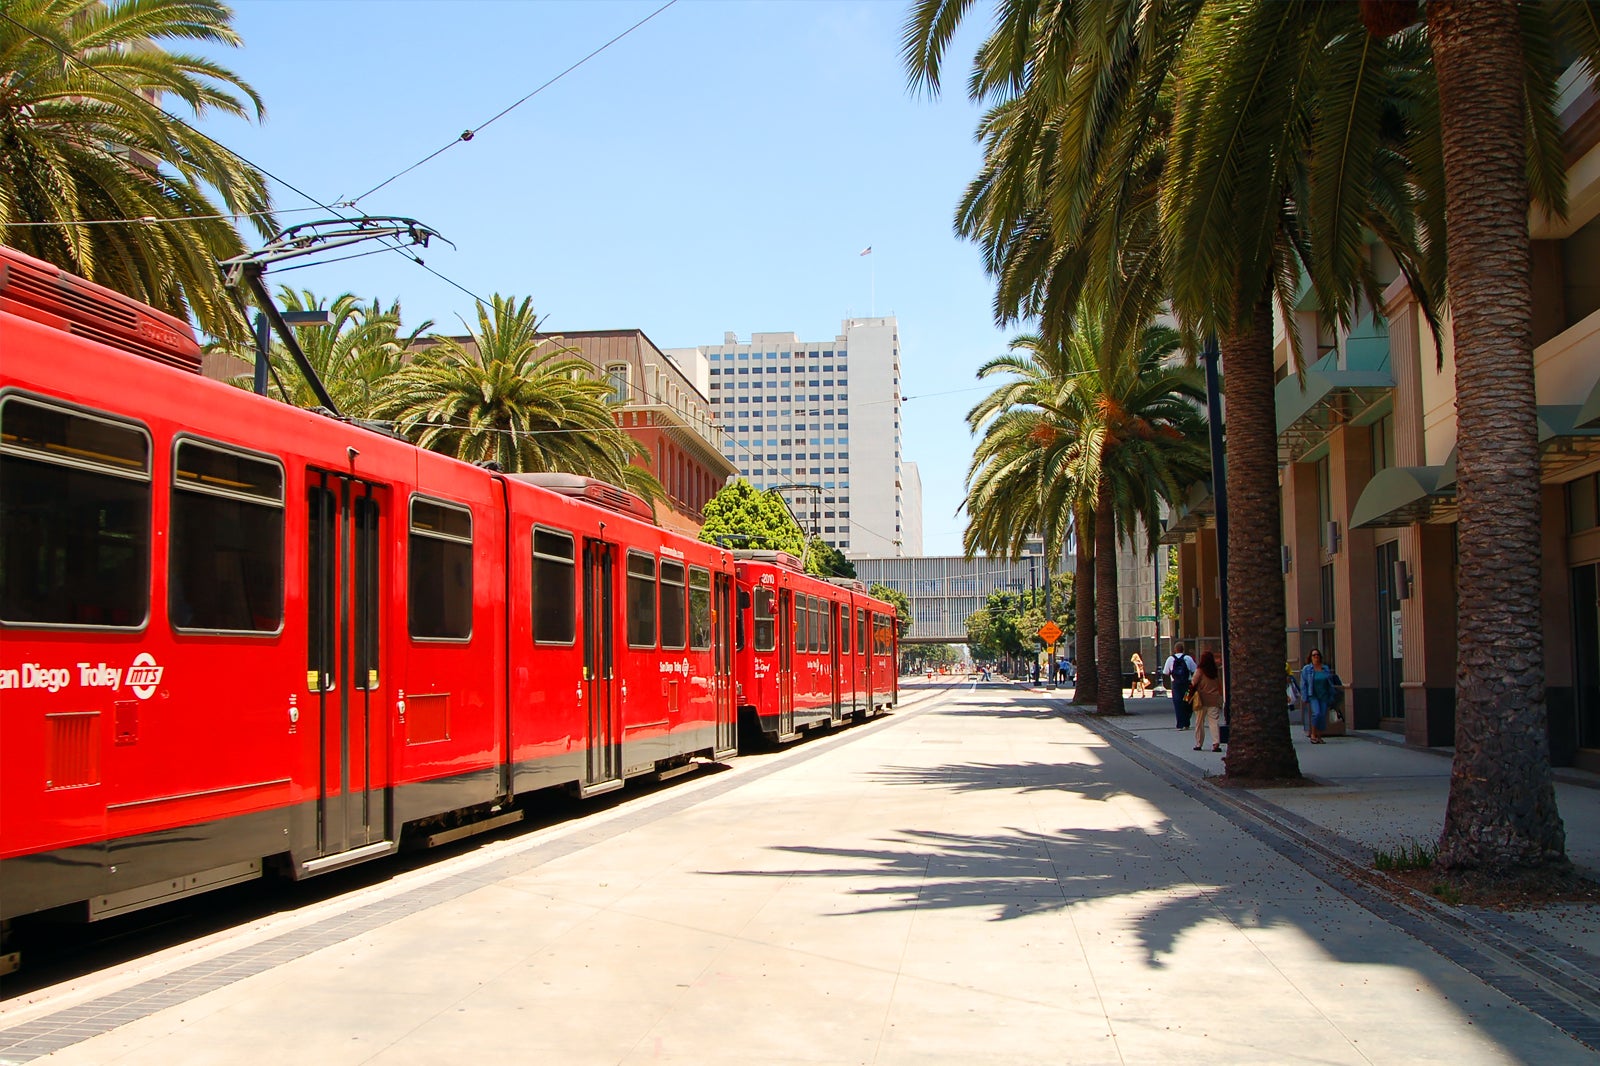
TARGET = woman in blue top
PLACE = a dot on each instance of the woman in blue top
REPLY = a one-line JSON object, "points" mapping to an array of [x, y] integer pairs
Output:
{"points": [[1317, 685]]}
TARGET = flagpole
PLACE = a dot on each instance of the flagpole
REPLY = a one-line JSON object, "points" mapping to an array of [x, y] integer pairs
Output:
{"points": [[872, 275]]}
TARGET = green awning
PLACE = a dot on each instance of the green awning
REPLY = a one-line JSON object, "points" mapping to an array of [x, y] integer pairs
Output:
{"points": [[1565, 441], [1589, 413], [1402, 495], [1313, 404]]}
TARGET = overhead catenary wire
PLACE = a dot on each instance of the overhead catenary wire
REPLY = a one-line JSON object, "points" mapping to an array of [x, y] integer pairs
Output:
{"points": [[333, 208], [468, 134]]}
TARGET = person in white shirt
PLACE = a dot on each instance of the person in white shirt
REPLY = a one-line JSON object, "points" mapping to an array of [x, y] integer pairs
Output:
{"points": [[1179, 672]]}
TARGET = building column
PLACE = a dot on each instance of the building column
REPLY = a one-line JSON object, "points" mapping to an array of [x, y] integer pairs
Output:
{"points": [[1428, 614], [1303, 583], [1355, 582]]}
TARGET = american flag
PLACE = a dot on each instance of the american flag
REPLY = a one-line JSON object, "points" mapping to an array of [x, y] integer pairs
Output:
{"points": [[867, 250]]}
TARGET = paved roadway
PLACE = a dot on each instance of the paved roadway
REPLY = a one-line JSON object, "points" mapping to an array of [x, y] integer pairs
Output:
{"points": [[979, 878]]}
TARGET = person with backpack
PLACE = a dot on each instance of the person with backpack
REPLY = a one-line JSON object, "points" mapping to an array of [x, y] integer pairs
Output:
{"points": [[1179, 672]]}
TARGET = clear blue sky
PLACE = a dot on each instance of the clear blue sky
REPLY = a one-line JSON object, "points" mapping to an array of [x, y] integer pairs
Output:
{"points": [[720, 168]]}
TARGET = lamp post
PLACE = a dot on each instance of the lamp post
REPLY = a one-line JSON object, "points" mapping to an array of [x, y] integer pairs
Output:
{"points": [[264, 338], [1219, 492]]}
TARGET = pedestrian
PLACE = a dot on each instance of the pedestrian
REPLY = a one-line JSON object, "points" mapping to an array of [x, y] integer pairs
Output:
{"points": [[1208, 702], [1036, 671], [1319, 687], [1178, 671], [1141, 683]]}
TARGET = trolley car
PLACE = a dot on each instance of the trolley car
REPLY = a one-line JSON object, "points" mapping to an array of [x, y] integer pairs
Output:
{"points": [[237, 636]]}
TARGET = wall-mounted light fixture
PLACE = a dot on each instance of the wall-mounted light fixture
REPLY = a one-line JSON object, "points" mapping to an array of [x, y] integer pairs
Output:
{"points": [[1402, 580], [1332, 539], [1288, 560]]}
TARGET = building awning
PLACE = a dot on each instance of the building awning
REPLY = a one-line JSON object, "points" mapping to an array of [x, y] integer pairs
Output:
{"points": [[1402, 495], [1564, 439], [1589, 413], [1190, 515], [1314, 403]]}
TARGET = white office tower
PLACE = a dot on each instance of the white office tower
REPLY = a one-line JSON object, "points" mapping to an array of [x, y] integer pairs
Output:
{"points": [[912, 480], [820, 421]]}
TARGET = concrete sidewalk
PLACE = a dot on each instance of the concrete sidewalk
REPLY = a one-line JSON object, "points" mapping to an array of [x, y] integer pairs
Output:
{"points": [[980, 878]]}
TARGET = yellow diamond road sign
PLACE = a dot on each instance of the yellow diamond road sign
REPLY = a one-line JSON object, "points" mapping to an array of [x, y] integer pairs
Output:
{"points": [[1049, 632]]}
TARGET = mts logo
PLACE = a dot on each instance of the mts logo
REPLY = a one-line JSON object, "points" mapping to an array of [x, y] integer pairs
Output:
{"points": [[139, 676]]}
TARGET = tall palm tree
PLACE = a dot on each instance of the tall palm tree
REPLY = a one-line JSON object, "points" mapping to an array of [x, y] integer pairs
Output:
{"points": [[1111, 434], [95, 178], [1489, 56], [1332, 174], [1105, 182], [508, 396], [1015, 483]]}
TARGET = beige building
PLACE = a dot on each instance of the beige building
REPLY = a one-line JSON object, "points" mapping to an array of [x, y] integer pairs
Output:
{"points": [[1367, 436]]}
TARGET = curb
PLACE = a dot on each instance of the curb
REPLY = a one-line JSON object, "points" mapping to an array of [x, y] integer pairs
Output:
{"points": [[1556, 982]]}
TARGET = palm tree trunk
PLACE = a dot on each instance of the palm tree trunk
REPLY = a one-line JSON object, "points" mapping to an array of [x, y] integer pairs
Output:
{"points": [[1502, 808], [1108, 627], [1087, 689], [1259, 742]]}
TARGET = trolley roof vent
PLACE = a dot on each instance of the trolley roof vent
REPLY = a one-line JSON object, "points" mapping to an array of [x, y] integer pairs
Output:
{"points": [[594, 491], [40, 292], [854, 584], [767, 555]]}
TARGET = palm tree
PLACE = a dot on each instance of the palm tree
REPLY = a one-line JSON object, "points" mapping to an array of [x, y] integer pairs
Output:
{"points": [[1015, 484], [1113, 433], [1104, 182], [1488, 57], [1329, 158], [83, 140], [508, 396], [353, 355]]}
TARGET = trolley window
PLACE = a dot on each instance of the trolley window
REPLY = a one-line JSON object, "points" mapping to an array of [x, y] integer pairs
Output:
{"points": [[440, 579], [641, 600], [673, 607], [699, 608], [367, 574], [844, 629], [225, 568], [825, 616], [766, 619], [74, 518], [800, 623], [555, 588], [861, 630], [816, 624]]}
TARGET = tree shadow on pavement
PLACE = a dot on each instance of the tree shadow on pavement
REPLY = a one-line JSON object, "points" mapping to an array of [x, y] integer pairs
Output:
{"points": [[1019, 874], [984, 777], [1173, 876]]}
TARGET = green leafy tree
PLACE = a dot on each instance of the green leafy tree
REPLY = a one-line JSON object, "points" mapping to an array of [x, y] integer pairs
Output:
{"points": [[739, 516], [994, 631], [509, 396], [1171, 592], [83, 138], [824, 560], [902, 604]]}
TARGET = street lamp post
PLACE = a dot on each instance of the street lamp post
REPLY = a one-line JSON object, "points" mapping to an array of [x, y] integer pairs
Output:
{"points": [[1219, 492]]}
